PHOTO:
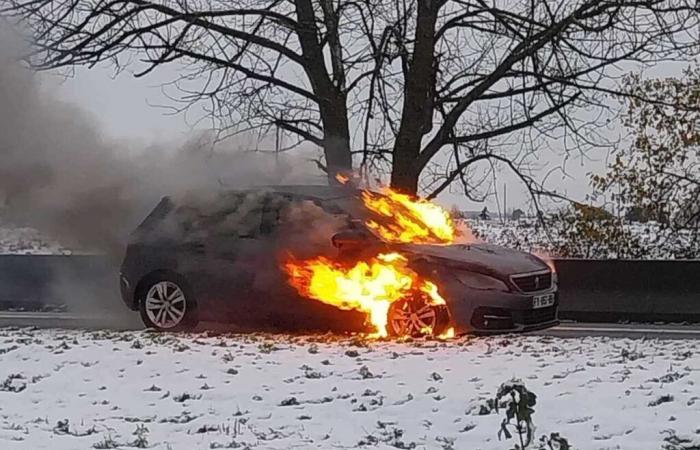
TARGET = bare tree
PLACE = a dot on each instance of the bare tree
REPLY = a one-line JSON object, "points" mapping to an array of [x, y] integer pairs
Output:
{"points": [[432, 87]]}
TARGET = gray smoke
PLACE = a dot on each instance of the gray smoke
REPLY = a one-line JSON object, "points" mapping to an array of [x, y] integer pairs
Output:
{"points": [[60, 175]]}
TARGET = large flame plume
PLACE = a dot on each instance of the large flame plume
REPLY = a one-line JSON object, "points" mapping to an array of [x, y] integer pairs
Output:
{"points": [[408, 220], [370, 286]]}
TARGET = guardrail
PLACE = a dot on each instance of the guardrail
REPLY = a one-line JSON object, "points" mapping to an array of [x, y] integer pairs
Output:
{"points": [[35, 282], [624, 290], [590, 290]]}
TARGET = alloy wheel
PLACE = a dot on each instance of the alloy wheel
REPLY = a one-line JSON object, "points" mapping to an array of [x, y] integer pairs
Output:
{"points": [[165, 304], [413, 318]]}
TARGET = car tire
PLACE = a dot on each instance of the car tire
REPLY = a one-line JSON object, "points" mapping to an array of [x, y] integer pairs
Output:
{"points": [[166, 303], [417, 317]]}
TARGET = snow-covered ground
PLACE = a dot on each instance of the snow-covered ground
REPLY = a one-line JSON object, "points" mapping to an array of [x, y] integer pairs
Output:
{"points": [[80, 390], [27, 241], [526, 234]]}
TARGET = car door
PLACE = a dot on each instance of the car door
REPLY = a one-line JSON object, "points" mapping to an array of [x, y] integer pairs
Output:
{"points": [[222, 251], [269, 286], [295, 227]]}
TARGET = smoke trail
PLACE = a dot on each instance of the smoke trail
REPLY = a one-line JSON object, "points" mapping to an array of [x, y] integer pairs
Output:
{"points": [[59, 174]]}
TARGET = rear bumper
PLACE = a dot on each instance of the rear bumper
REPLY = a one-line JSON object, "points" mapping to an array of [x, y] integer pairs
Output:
{"points": [[493, 312], [126, 289]]}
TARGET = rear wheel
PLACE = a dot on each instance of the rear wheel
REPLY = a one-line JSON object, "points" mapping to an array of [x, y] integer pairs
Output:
{"points": [[166, 304], [417, 317]]}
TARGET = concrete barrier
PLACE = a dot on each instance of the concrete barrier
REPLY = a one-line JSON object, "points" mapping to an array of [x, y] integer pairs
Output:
{"points": [[622, 290], [590, 290], [74, 282]]}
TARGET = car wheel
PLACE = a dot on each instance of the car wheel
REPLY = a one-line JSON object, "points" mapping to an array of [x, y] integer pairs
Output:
{"points": [[166, 304], [417, 317]]}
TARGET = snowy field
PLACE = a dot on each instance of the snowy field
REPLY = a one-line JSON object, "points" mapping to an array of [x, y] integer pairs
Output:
{"points": [[27, 241], [527, 235], [81, 390]]}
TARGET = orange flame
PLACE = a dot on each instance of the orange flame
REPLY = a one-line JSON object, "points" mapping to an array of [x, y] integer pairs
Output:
{"points": [[407, 220], [369, 286], [448, 334], [342, 179]]}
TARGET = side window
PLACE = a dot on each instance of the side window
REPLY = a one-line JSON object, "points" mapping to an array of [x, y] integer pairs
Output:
{"points": [[294, 217], [244, 220], [232, 215]]}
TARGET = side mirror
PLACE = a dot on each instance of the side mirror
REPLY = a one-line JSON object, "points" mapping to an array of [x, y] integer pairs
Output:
{"points": [[349, 238]]}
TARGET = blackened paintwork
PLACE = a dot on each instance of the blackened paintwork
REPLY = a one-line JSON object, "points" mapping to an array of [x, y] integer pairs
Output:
{"points": [[232, 265]]}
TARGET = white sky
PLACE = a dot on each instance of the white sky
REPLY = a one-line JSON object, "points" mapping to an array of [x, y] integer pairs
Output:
{"points": [[124, 108]]}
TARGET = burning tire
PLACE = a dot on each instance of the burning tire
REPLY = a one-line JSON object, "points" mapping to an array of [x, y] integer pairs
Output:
{"points": [[417, 317], [166, 304]]}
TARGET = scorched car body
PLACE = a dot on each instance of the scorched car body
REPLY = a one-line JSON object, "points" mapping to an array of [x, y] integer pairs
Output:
{"points": [[219, 262]]}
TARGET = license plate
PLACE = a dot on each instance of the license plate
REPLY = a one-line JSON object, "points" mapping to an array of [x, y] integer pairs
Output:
{"points": [[542, 301]]}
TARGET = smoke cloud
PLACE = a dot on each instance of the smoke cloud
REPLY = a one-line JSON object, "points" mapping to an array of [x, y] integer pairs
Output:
{"points": [[61, 175]]}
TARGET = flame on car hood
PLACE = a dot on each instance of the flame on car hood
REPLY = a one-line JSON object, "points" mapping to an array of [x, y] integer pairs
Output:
{"points": [[405, 219]]}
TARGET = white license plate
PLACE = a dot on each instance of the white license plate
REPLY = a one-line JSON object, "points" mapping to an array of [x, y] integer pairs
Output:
{"points": [[542, 301]]}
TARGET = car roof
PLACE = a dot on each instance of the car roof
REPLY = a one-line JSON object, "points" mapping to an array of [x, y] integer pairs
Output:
{"points": [[315, 191], [310, 192]]}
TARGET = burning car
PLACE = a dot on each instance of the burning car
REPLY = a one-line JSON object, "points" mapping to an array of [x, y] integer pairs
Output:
{"points": [[333, 258]]}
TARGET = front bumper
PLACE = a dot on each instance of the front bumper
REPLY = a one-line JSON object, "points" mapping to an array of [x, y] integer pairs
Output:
{"points": [[495, 321], [492, 312]]}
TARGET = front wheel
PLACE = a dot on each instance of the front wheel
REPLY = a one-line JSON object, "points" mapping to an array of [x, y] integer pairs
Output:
{"points": [[166, 304], [417, 317]]}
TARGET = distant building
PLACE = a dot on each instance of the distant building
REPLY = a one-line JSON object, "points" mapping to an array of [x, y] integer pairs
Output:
{"points": [[485, 214], [456, 213], [517, 214], [472, 215]]}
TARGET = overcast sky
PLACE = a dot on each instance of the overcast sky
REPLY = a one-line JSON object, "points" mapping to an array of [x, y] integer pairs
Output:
{"points": [[126, 109]]}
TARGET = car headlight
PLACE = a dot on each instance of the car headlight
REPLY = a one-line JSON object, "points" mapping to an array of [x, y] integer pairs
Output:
{"points": [[480, 281]]}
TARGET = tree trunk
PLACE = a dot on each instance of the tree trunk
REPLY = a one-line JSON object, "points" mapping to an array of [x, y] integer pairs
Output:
{"points": [[336, 140], [417, 114], [404, 177], [333, 101]]}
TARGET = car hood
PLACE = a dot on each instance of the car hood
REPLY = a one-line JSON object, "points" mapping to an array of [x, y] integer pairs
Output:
{"points": [[483, 258]]}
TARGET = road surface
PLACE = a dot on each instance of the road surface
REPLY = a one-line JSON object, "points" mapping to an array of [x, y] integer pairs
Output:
{"points": [[568, 329], [628, 330]]}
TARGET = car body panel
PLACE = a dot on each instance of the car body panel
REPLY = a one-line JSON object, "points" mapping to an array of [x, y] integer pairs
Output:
{"points": [[482, 258], [235, 275]]}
